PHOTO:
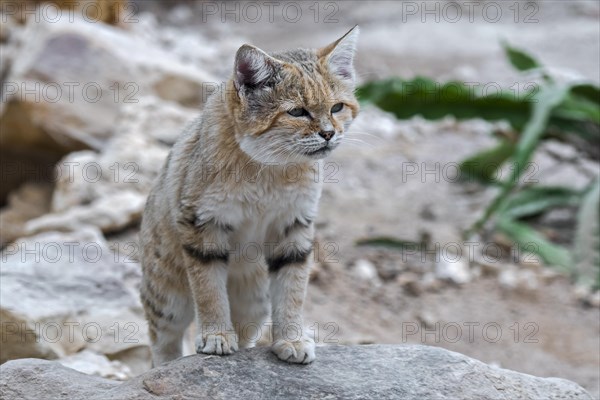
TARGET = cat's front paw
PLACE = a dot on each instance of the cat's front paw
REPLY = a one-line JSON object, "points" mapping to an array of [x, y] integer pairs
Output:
{"points": [[297, 351], [217, 343]]}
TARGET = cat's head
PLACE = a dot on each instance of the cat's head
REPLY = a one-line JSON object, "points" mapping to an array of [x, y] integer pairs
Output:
{"points": [[294, 105]]}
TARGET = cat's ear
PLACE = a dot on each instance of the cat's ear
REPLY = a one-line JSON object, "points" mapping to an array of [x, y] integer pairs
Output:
{"points": [[253, 67], [340, 54]]}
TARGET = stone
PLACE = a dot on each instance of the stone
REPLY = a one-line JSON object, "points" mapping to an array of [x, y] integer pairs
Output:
{"points": [[522, 280], [340, 372], [594, 299], [453, 269], [411, 283], [365, 271], [58, 98], [487, 265], [6, 27], [430, 283], [110, 213], [61, 293], [139, 359], [428, 319], [562, 151], [109, 189], [30, 201], [130, 161], [112, 12], [155, 118], [584, 294], [92, 363]]}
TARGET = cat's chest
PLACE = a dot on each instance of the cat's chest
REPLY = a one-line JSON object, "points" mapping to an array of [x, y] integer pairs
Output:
{"points": [[257, 208], [259, 202]]}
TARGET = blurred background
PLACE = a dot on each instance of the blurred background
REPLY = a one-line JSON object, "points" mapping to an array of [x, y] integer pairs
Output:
{"points": [[462, 211]]}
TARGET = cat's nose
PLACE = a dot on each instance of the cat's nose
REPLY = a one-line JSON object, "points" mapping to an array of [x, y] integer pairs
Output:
{"points": [[327, 135]]}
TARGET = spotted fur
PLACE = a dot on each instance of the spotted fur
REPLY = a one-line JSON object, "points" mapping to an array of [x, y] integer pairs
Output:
{"points": [[226, 188]]}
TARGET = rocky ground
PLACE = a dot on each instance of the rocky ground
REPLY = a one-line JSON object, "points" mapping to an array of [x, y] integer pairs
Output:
{"points": [[69, 264], [353, 372]]}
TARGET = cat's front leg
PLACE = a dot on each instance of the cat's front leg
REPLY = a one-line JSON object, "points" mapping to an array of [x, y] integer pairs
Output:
{"points": [[207, 267], [289, 267]]}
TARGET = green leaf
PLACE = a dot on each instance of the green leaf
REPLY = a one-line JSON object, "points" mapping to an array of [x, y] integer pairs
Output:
{"points": [[578, 108], [579, 113], [519, 59], [484, 165], [587, 238], [529, 240], [536, 199], [587, 91], [549, 97], [433, 100]]}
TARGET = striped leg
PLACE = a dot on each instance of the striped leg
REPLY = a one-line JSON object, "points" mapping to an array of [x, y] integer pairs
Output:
{"points": [[289, 268]]}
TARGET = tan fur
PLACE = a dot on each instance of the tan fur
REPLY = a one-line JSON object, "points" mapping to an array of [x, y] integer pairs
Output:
{"points": [[226, 188]]}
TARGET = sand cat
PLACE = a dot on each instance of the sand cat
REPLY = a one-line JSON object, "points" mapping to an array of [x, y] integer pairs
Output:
{"points": [[227, 233]]}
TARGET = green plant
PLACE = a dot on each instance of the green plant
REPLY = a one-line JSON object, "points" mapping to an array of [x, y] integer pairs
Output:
{"points": [[547, 109]]}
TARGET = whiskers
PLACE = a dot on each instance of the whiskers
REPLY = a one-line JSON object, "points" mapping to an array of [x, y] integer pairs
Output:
{"points": [[361, 138], [279, 148]]}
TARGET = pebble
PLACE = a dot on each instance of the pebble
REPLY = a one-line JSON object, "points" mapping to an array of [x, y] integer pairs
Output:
{"points": [[411, 283], [513, 278], [366, 271], [454, 270]]}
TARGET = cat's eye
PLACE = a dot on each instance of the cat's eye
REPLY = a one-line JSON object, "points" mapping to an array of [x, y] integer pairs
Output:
{"points": [[337, 108], [299, 112]]}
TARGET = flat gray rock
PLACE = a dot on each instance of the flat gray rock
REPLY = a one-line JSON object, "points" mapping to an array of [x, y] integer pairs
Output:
{"points": [[340, 372]]}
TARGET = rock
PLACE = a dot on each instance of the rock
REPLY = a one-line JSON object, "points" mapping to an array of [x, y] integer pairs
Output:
{"points": [[415, 284], [155, 118], [410, 282], [594, 299], [508, 278], [549, 276], [562, 151], [95, 11], [29, 201], [21, 166], [587, 296], [430, 283], [92, 363], [340, 372], [523, 280], [130, 161], [108, 189], [489, 266], [389, 265], [109, 213], [61, 293], [365, 271], [453, 269], [428, 319], [6, 27], [213, 50], [60, 99], [139, 359]]}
